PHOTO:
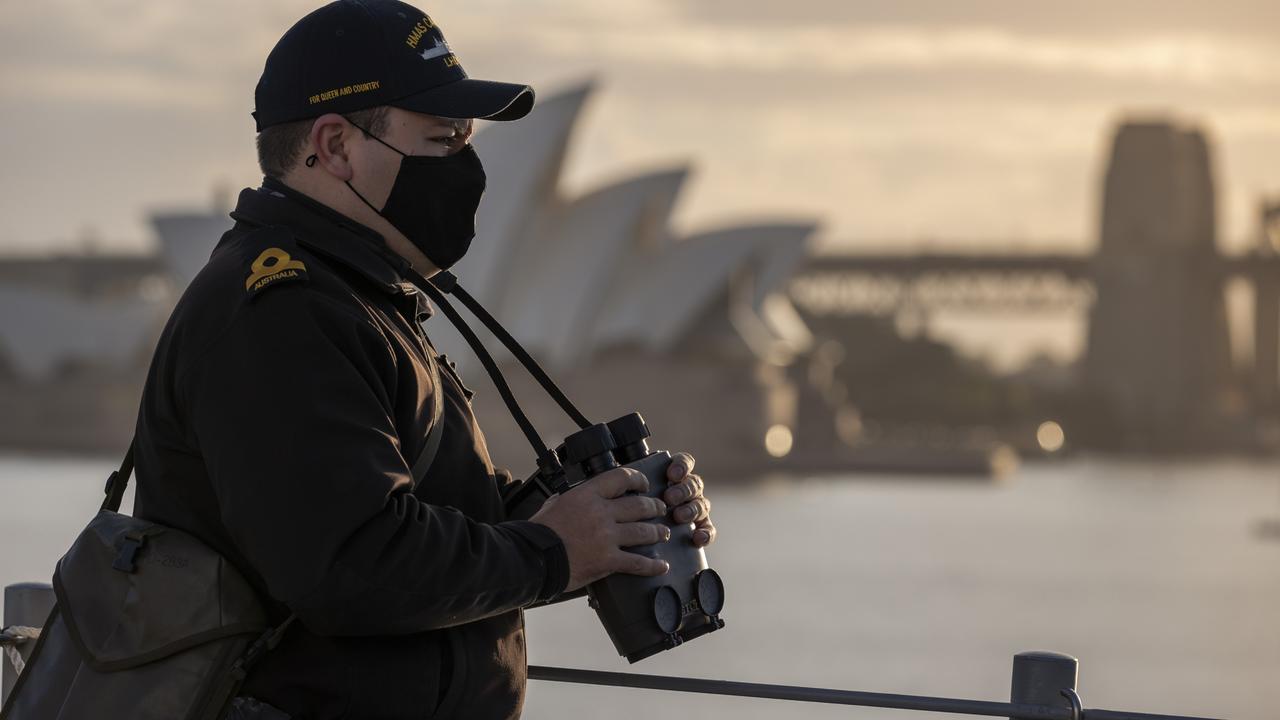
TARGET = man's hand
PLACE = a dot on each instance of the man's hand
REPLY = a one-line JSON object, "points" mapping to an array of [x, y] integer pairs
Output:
{"points": [[685, 495], [595, 520]]}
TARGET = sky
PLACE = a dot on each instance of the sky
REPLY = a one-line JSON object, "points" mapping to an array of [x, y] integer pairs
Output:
{"points": [[932, 123]]}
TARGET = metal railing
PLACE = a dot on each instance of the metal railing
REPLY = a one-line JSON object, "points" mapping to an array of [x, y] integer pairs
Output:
{"points": [[1043, 685], [1043, 688], [26, 607]]}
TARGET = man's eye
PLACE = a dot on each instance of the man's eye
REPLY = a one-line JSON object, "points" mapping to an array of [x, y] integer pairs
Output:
{"points": [[446, 140]]}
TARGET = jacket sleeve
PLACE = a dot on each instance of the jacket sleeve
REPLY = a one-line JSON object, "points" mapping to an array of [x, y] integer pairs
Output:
{"points": [[507, 485], [291, 410]]}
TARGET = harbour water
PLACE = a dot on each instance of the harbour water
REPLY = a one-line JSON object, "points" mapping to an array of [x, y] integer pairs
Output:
{"points": [[1163, 578]]}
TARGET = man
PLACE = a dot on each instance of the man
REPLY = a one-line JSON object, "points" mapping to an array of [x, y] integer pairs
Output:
{"points": [[293, 390]]}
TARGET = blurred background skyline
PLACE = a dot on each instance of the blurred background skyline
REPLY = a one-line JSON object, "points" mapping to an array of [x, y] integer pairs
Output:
{"points": [[878, 252], [908, 124], [882, 130]]}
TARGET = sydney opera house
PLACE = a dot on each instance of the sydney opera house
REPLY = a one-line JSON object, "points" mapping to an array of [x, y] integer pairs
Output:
{"points": [[696, 332]]}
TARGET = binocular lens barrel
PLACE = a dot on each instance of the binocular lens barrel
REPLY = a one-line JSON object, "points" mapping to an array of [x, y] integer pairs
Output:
{"points": [[587, 453], [632, 438], [599, 463]]}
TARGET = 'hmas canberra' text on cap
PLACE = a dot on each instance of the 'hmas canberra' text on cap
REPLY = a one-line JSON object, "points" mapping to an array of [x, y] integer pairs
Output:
{"points": [[356, 54]]}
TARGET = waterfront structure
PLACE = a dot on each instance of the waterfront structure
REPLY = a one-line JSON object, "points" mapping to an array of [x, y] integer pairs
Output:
{"points": [[628, 312]]}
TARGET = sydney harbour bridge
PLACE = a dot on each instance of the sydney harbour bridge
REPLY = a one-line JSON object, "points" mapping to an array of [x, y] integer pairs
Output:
{"points": [[1157, 366]]}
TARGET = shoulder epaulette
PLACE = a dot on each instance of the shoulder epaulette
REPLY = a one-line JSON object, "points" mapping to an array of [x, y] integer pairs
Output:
{"points": [[270, 252]]}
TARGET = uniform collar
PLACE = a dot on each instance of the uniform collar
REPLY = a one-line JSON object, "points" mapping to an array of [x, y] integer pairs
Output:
{"points": [[326, 231]]}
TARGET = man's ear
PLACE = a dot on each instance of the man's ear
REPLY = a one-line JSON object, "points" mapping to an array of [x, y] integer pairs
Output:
{"points": [[330, 142]]}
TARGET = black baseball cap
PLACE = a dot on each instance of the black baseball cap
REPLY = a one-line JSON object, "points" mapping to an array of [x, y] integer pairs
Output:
{"points": [[356, 54]]}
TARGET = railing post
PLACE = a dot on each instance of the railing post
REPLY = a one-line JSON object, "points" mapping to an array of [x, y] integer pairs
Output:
{"points": [[24, 604], [1039, 677]]}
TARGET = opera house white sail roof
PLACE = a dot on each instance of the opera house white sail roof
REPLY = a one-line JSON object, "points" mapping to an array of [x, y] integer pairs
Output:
{"points": [[570, 276]]}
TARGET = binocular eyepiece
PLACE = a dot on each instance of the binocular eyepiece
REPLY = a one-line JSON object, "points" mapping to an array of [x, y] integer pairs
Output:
{"points": [[642, 615]]}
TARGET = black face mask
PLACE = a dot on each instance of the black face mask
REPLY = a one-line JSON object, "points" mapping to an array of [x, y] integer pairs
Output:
{"points": [[433, 202]]}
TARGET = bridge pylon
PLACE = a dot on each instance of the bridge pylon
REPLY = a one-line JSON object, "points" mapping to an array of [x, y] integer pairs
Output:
{"points": [[1157, 371], [1266, 312]]}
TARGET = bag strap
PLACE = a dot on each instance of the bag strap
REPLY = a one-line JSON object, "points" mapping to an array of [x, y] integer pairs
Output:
{"points": [[216, 707], [118, 481], [428, 453]]}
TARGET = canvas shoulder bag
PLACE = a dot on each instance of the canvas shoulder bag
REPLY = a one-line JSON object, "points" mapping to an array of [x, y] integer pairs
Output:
{"points": [[149, 622]]}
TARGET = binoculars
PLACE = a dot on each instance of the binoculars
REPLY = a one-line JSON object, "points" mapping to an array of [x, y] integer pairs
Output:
{"points": [[642, 615]]}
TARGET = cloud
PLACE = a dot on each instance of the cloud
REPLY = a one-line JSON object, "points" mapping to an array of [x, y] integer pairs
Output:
{"points": [[138, 53], [886, 119], [1257, 19], [107, 85], [846, 50]]}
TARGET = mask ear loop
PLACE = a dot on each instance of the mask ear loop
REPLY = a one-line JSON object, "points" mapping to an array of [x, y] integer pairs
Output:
{"points": [[311, 161], [368, 134], [362, 198]]}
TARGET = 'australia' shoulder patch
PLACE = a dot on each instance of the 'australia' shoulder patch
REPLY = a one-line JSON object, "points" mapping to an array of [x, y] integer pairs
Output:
{"points": [[273, 266]]}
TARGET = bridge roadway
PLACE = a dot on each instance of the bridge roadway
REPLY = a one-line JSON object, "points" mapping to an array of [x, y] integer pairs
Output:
{"points": [[1072, 266], [1067, 265]]}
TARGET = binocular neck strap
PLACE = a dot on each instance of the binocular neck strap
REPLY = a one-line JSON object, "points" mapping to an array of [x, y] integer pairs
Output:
{"points": [[545, 456], [447, 282]]}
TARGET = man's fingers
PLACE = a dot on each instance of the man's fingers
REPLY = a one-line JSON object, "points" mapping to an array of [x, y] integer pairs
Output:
{"points": [[704, 533], [637, 507], [681, 465], [683, 492], [641, 533], [697, 509], [619, 481], [636, 564]]}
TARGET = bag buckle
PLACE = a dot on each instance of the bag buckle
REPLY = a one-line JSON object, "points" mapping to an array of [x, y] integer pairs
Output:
{"points": [[126, 559], [111, 480]]}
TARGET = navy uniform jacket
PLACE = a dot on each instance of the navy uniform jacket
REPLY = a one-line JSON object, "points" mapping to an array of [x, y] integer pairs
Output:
{"points": [[288, 398]]}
